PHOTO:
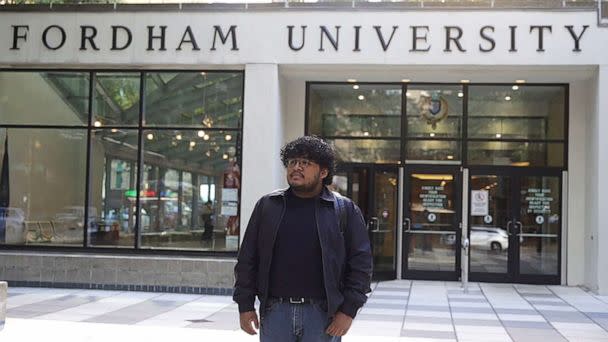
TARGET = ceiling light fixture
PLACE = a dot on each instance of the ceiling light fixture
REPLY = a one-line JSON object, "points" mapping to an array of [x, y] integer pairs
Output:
{"points": [[356, 86], [351, 80], [520, 81], [405, 80], [465, 81], [508, 98], [515, 87], [361, 97]]}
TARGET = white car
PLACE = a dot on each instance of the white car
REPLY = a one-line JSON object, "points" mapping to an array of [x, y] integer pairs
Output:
{"points": [[489, 238]]}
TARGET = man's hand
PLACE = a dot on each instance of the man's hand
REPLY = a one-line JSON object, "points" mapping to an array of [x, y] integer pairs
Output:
{"points": [[246, 319], [339, 326]]}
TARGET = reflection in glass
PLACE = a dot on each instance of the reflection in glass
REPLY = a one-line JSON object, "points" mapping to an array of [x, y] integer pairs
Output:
{"points": [[116, 99], [113, 187], [540, 217], [355, 110], [433, 150], [516, 112], [432, 231], [366, 150], [62, 97], [521, 154], [194, 99], [177, 213], [434, 111], [488, 236], [42, 186]]}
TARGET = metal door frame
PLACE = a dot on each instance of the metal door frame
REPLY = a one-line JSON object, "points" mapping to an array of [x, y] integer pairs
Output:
{"points": [[456, 171]]}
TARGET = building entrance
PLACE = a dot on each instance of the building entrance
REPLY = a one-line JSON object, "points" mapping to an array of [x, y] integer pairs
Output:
{"points": [[431, 224], [515, 225]]}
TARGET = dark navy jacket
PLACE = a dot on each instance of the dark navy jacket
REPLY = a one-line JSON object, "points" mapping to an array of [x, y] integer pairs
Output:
{"points": [[347, 259]]}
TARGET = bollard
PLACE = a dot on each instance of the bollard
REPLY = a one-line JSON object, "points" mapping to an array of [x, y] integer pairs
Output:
{"points": [[3, 296]]}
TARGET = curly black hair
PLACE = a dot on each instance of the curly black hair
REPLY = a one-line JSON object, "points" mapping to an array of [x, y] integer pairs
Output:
{"points": [[313, 148]]}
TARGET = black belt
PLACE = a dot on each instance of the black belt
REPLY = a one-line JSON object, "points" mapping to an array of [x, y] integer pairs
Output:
{"points": [[298, 300]]}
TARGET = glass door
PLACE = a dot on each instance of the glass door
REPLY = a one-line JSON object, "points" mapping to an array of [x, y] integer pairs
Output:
{"points": [[432, 223], [374, 189], [514, 226]]}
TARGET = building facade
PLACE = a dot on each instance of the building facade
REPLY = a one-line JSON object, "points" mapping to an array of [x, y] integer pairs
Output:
{"points": [[137, 139]]}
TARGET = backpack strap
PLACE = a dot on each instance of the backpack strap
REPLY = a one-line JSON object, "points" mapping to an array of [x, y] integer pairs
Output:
{"points": [[341, 206]]}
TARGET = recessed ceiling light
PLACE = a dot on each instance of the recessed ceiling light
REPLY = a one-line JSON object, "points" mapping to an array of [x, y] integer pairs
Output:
{"points": [[206, 137], [464, 81], [356, 86], [228, 137], [150, 136], [432, 135], [97, 124], [351, 80], [460, 94], [200, 134], [114, 130], [366, 134], [520, 81], [508, 98], [407, 94], [450, 157], [361, 97], [192, 143], [515, 87], [224, 156], [498, 135], [405, 80], [178, 137]]}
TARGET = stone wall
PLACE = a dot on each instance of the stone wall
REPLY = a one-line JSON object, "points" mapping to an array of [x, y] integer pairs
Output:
{"points": [[119, 272]]}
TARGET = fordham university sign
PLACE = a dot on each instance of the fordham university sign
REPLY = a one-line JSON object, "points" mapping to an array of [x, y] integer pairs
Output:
{"points": [[296, 38]]}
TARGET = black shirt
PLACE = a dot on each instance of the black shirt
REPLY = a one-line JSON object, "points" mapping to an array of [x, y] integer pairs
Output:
{"points": [[297, 265]]}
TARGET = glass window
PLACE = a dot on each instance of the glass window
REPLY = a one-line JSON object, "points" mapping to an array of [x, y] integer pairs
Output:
{"points": [[516, 112], [355, 110], [112, 189], [52, 98], [516, 153], [433, 150], [194, 99], [434, 111], [42, 186], [116, 99], [172, 216], [367, 150]]}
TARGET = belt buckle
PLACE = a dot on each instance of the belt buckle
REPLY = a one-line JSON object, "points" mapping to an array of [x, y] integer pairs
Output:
{"points": [[293, 300]]}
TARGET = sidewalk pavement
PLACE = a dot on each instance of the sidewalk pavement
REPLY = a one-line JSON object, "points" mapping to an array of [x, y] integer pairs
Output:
{"points": [[399, 310]]}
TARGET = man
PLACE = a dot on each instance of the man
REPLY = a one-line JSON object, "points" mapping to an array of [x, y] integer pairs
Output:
{"points": [[305, 255]]}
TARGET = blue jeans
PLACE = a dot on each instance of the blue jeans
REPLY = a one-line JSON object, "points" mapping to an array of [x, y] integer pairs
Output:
{"points": [[285, 322]]}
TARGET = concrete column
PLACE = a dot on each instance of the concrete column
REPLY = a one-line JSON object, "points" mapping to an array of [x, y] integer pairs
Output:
{"points": [[602, 180], [262, 170], [3, 296]]}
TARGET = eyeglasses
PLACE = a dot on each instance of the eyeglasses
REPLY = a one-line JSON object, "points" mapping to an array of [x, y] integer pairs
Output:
{"points": [[304, 163]]}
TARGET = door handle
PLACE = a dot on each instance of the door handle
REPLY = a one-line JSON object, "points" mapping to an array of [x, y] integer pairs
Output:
{"points": [[518, 226], [374, 224], [509, 224], [407, 224]]}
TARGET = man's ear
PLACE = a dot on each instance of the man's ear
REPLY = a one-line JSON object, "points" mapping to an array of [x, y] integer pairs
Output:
{"points": [[324, 173]]}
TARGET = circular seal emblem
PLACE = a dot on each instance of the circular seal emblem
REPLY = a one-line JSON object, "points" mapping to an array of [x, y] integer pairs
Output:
{"points": [[433, 108], [431, 217], [487, 219], [540, 219]]}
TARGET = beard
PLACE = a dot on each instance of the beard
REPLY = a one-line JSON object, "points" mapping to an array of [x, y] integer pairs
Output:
{"points": [[308, 186]]}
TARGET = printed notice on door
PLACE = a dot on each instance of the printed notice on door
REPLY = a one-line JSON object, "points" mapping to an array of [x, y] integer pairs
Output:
{"points": [[433, 197], [539, 201], [479, 203]]}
